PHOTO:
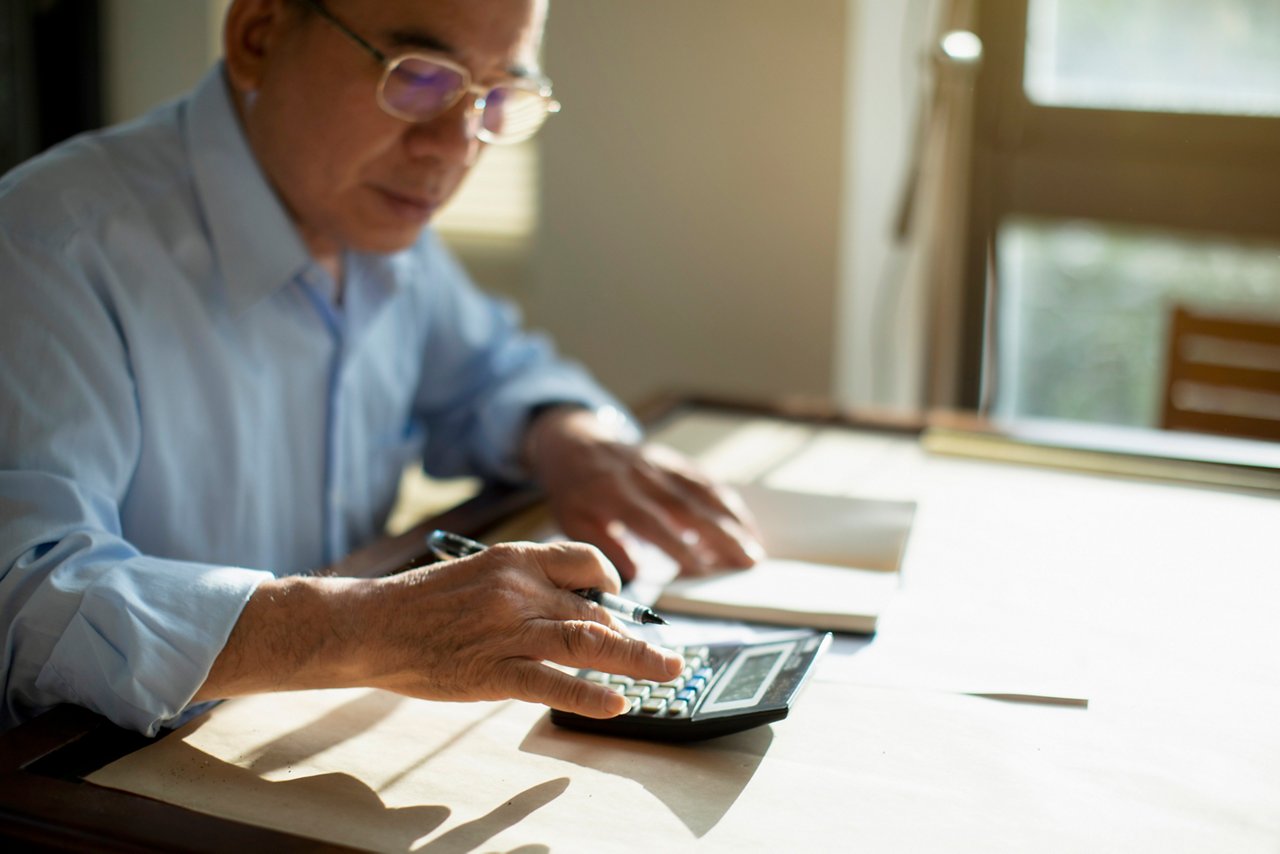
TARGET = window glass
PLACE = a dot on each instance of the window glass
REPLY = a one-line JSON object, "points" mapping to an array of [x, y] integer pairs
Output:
{"points": [[1083, 310], [1185, 56]]}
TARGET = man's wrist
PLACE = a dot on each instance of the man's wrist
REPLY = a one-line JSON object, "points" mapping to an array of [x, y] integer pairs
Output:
{"points": [[295, 632], [556, 422]]}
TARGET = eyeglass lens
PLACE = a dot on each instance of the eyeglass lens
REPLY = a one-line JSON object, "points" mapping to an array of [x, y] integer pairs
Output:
{"points": [[419, 89]]}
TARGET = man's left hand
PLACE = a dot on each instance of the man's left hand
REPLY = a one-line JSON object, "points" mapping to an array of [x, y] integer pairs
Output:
{"points": [[600, 487]]}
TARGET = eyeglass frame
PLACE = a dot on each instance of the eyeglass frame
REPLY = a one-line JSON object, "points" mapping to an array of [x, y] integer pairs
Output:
{"points": [[540, 87]]}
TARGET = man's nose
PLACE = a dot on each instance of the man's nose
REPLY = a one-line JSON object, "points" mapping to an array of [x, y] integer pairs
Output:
{"points": [[450, 135]]}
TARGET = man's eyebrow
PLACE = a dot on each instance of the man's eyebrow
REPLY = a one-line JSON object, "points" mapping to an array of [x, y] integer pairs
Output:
{"points": [[418, 39], [401, 39]]}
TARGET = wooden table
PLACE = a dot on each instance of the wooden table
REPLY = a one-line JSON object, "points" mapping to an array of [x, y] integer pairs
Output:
{"points": [[1161, 597]]}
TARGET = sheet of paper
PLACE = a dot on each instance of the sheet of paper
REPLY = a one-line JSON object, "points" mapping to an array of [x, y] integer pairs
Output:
{"points": [[932, 644], [831, 564], [837, 530], [734, 449], [787, 592], [859, 464]]}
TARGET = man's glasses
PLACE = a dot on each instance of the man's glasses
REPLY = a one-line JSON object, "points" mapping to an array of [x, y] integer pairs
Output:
{"points": [[418, 86]]}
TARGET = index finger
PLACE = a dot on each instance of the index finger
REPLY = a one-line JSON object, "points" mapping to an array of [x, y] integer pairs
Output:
{"points": [[585, 643]]}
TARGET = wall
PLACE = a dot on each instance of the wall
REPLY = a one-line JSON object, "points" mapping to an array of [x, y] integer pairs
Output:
{"points": [[691, 193], [880, 349], [716, 197], [156, 50]]}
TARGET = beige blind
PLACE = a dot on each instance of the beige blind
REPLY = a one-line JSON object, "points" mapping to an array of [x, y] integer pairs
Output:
{"points": [[498, 199]]}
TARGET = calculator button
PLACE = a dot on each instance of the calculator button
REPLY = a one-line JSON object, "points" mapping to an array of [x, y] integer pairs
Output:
{"points": [[652, 706], [704, 674], [596, 676], [648, 683], [676, 707], [664, 692], [697, 683], [692, 662], [699, 651], [625, 681], [675, 684], [641, 691], [688, 695], [616, 688]]}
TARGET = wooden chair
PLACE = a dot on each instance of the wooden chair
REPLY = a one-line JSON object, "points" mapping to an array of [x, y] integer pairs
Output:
{"points": [[1222, 374]]}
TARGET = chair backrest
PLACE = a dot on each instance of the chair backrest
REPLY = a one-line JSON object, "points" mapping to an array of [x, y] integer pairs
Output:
{"points": [[1222, 374]]}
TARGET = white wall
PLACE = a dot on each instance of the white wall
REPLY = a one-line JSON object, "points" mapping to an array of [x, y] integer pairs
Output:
{"points": [[880, 348], [716, 197], [157, 50], [691, 193]]}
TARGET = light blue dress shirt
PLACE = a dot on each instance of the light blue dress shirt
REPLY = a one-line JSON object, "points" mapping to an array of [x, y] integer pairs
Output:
{"points": [[185, 411]]}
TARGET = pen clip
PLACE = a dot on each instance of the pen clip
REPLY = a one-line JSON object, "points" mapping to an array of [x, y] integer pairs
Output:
{"points": [[446, 545]]}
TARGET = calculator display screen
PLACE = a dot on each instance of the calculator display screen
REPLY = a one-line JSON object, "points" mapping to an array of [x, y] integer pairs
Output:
{"points": [[750, 676]]}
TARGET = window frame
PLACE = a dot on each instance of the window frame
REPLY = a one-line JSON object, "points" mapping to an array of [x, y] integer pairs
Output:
{"points": [[1193, 172]]}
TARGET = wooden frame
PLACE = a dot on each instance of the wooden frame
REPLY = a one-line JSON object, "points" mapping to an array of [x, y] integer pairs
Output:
{"points": [[1199, 173]]}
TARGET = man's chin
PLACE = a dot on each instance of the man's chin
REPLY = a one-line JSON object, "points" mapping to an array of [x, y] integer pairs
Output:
{"points": [[387, 241]]}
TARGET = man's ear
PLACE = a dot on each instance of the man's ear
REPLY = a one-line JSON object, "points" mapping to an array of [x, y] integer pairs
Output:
{"points": [[252, 30]]}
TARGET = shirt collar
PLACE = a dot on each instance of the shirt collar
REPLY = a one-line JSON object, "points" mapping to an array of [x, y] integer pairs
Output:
{"points": [[257, 246]]}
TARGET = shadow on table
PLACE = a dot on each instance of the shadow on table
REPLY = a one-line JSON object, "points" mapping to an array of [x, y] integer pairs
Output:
{"points": [[697, 781], [336, 807], [472, 834], [339, 808]]}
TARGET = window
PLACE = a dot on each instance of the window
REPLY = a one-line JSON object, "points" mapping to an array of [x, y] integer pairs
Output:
{"points": [[1084, 305], [1179, 56], [497, 201], [1123, 160]]}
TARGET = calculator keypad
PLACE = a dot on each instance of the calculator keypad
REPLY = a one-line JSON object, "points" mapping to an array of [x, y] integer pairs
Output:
{"points": [[671, 699], [724, 688]]}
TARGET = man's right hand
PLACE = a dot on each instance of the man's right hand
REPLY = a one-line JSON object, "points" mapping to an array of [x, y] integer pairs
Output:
{"points": [[477, 628]]}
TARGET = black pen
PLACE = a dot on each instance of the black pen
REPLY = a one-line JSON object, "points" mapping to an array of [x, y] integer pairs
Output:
{"points": [[446, 545]]}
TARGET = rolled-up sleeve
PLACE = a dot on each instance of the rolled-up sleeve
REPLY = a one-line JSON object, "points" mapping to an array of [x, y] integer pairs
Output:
{"points": [[87, 618]]}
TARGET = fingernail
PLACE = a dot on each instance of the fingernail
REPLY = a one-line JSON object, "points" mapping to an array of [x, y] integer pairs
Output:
{"points": [[615, 703], [674, 661], [753, 548]]}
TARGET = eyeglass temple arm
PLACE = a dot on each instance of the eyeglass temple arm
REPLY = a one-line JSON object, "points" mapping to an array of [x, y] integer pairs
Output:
{"points": [[320, 10]]}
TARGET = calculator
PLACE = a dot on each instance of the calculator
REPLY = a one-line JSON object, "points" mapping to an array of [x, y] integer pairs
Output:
{"points": [[724, 688]]}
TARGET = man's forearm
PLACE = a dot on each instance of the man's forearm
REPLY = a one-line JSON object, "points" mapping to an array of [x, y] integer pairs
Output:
{"points": [[475, 628], [294, 633]]}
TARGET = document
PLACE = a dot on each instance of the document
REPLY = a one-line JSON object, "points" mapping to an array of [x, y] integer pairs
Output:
{"points": [[787, 592], [833, 564]]}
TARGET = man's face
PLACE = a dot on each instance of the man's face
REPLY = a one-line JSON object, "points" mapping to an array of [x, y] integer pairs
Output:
{"points": [[350, 174]]}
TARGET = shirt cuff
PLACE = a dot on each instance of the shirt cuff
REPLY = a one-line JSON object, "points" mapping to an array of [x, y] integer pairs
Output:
{"points": [[504, 427], [144, 638]]}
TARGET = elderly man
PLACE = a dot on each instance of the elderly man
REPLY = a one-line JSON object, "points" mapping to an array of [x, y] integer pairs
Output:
{"points": [[226, 330]]}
